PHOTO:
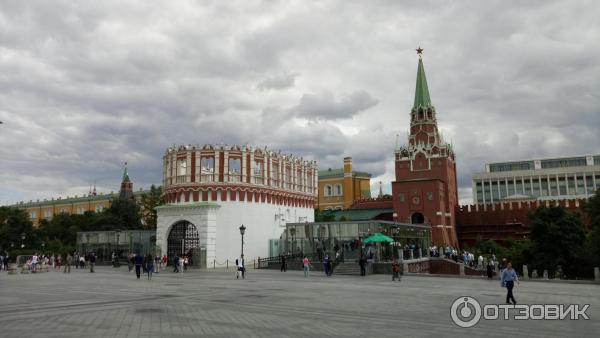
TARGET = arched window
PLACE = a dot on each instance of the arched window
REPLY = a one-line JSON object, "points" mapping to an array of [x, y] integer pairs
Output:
{"points": [[417, 218], [208, 164], [182, 166], [235, 165], [338, 190]]}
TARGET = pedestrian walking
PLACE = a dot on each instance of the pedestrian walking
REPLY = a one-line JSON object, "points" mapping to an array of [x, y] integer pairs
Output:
{"points": [[362, 262], [138, 261], [509, 277], [130, 259], [306, 266], [176, 263], [92, 261], [490, 270], [241, 268], [34, 262], [149, 266], [326, 265], [395, 270], [68, 263], [283, 263]]}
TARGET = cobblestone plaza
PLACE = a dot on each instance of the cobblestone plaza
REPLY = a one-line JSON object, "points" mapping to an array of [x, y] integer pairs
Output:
{"points": [[212, 303]]}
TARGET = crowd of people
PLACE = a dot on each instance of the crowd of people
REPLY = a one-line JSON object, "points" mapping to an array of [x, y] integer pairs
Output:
{"points": [[468, 258]]}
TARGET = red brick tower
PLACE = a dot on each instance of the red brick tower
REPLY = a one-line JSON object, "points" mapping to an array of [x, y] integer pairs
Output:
{"points": [[425, 190], [126, 191]]}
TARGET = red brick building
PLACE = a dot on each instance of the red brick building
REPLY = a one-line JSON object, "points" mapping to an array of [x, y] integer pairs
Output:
{"points": [[425, 189]]}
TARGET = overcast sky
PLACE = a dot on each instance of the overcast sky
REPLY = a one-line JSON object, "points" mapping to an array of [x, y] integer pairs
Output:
{"points": [[86, 86]]}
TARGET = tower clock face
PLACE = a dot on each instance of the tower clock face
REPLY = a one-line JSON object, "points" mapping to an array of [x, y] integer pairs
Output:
{"points": [[416, 200]]}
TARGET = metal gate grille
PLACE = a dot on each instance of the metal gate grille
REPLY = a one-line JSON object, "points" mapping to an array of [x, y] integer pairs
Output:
{"points": [[183, 239]]}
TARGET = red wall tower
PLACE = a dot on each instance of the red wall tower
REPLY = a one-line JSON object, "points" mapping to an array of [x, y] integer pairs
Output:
{"points": [[425, 190]]}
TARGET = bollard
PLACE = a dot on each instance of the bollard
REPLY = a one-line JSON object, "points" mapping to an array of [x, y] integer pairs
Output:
{"points": [[545, 274], [597, 274], [534, 274], [227, 264], [214, 263], [462, 269], [525, 272]]}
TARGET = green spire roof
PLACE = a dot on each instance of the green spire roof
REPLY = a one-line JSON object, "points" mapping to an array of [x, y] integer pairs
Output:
{"points": [[421, 92], [125, 174]]}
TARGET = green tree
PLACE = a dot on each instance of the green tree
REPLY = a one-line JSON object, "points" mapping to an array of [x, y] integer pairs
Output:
{"points": [[124, 213], [592, 210], [14, 223], [324, 216], [557, 238], [62, 228], [149, 201]]}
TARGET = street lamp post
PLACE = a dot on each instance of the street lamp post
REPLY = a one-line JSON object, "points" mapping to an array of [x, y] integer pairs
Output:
{"points": [[242, 232], [116, 263], [293, 233]]}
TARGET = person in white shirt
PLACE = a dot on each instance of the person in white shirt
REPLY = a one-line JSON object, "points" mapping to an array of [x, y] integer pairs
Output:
{"points": [[240, 267], [34, 261]]}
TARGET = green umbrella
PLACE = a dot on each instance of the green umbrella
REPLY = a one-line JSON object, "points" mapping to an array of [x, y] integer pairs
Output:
{"points": [[378, 238]]}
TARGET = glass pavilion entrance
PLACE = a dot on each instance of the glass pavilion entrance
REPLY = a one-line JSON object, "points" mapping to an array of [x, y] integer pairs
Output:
{"points": [[345, 240]]}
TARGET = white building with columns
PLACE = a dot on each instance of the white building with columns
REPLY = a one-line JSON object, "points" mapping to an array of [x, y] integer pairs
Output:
{"points": [[211, 190]]}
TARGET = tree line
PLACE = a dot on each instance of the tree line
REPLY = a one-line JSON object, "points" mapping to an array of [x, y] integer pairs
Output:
{"points": [[59, 234]]}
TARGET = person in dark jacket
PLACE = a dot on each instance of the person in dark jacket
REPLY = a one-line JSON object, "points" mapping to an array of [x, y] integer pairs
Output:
{"points": [[176, 263], [92, 260], [490, 270], [283, 267], [362, 262], [138, 261], [149, 266]]}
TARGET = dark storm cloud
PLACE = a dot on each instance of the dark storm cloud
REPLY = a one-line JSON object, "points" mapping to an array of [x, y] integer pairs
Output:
{"points": [[84, 88]]}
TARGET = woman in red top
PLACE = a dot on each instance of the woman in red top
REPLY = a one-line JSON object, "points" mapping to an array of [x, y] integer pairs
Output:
{"points": [[306, 264]]}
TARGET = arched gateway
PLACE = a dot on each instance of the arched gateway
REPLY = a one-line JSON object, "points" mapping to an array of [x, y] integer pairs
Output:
{"points": [[417, 218], [183, 239]]}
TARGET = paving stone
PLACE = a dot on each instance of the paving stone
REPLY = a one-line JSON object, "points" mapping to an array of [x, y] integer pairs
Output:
{"points": [[212, 303]]}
